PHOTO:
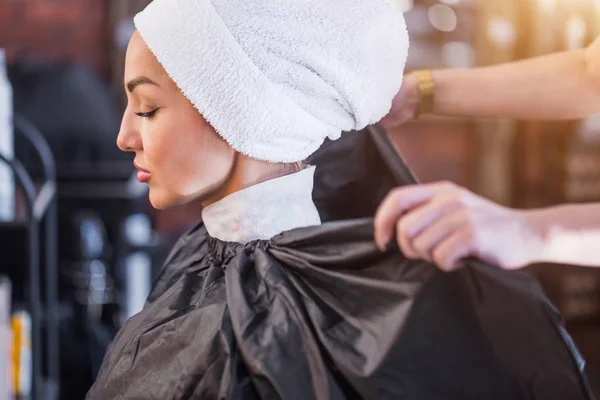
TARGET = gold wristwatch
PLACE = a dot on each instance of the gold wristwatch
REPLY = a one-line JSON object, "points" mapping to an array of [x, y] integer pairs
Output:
{"points": [[426, 88]]}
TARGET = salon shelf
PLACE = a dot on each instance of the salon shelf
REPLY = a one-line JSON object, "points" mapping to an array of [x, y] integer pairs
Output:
{"points": [[41, 205], [41, 209]]}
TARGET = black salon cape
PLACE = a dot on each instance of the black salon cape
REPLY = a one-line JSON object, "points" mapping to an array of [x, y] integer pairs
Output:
{"points": [[320, 313]]}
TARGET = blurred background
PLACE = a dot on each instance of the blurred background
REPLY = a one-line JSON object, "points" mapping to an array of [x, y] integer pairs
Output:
{"points": [[82, 245]]}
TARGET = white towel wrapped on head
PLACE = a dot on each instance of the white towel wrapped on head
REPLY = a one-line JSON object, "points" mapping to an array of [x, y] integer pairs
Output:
{"points": [[277, 77]]}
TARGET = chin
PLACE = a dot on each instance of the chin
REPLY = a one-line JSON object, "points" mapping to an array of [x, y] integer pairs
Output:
{"points": [[163, 201]]}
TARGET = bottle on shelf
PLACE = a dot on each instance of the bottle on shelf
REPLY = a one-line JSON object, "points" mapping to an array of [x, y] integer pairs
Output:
{"points": [[21, 370], [5, 338], [7, 182]]}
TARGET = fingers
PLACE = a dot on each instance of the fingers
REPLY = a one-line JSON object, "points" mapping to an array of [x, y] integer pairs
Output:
{"points": [[403, 200], [431, 222], [397, 203], [450, 253], [423, 245], [446, 242], [404, 105], [439, 232]]}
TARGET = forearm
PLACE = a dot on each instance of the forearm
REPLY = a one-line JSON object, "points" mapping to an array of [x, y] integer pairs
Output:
{"points": [[569, 234], [557, 86]]}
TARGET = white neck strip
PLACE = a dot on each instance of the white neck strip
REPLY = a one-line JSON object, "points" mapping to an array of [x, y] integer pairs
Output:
{"points": [[264, 210]]}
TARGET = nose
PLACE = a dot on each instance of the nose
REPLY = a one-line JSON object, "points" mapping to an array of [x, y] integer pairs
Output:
{"points": [[129, 138]]}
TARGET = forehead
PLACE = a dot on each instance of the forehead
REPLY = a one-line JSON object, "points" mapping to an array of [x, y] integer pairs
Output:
{"points": [[139, 61]]}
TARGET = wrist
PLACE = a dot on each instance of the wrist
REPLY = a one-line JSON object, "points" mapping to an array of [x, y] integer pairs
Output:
{"points": [[559, 235], [538, 228], [425, 85]]}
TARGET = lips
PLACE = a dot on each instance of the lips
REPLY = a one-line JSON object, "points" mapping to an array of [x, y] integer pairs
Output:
{"points": [[143, 175]]}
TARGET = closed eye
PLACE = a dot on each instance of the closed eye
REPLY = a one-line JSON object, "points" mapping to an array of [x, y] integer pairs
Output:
{"points": [[148, 114]]}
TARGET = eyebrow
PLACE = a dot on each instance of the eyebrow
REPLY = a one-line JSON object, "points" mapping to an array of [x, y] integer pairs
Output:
{"points": [[140, 80]]}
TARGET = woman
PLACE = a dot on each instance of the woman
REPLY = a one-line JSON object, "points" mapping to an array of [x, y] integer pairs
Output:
{"points": [[263, 300]]}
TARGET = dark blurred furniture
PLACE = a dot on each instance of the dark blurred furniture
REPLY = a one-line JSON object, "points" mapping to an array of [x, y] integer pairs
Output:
{"points": [[28, 254], [107, 250]]}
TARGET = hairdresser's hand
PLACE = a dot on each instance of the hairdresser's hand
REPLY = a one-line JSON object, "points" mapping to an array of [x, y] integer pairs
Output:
{"points": [[405, 105], [444, 223]]}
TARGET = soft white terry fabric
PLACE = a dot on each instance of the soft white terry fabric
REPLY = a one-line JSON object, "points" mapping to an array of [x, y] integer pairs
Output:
{"points": [[264, 210], [277, 77]]}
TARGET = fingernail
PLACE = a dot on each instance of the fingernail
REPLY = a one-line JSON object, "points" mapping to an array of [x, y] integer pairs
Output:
{"points": [[382, 243]]}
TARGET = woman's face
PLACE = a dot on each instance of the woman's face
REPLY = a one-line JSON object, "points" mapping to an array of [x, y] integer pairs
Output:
{"points": [[177, 152]]}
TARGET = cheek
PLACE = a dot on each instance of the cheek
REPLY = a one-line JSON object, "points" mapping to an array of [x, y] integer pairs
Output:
{"points": [[186, 157]]}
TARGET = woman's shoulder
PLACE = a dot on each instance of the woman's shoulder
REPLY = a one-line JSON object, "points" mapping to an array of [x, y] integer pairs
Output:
{"points": [[188, 251]]}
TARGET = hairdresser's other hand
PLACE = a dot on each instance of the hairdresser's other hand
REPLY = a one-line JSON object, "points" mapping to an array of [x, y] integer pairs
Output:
{"points": [[405, 105], [444, 223]]}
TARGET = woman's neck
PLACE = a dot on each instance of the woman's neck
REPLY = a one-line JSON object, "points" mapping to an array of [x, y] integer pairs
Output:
{"points": [[247, 172]]}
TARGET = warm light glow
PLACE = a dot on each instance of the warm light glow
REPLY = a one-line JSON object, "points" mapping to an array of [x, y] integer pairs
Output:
{"points": [[442, 17], [576, 31], [551, 5], [501, 32], [458, 55], [547, 5]]}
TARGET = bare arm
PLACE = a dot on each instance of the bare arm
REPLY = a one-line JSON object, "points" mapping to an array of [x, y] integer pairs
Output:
{"points": [[557, 86], [444, 223], [570, 233]]}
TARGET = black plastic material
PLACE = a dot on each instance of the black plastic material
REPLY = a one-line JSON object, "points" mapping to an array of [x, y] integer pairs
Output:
{"points": [[321, 313]]}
